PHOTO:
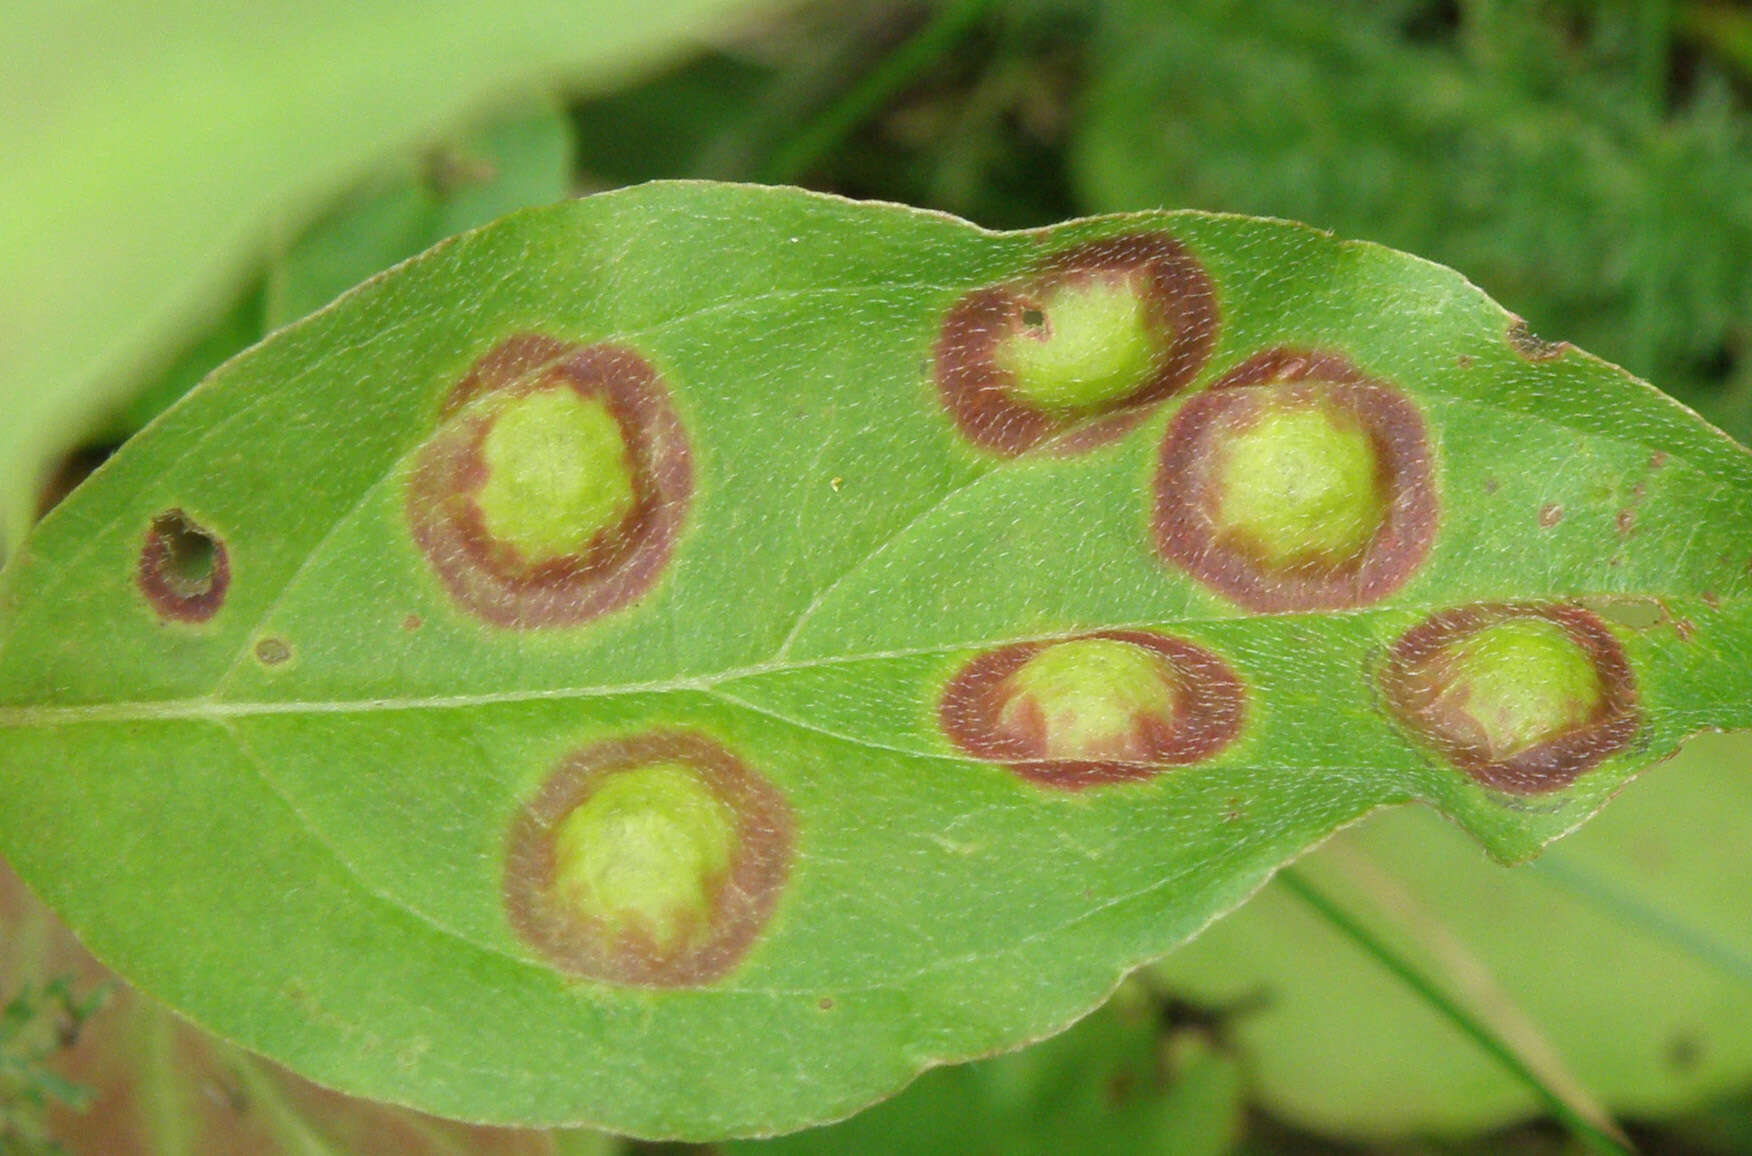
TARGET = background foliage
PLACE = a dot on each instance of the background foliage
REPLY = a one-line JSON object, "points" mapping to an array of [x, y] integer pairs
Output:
{"points": [[1585, 162]]}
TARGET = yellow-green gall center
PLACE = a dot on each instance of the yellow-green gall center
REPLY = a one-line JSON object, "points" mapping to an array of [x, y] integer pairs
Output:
{"points": [[1298, 485], [557, 474], [1520, 683], [645, 853], [1087, 344], [1090, 698]]}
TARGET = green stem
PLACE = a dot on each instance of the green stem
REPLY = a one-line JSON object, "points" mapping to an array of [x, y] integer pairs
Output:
{"points": [[1589, 1135], [899, 69]]}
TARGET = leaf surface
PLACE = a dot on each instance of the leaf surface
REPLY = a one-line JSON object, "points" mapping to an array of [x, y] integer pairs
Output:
{"points": [[868, 708], [152, 146], [1626, 945], [150, 1084], [1517, 147]]}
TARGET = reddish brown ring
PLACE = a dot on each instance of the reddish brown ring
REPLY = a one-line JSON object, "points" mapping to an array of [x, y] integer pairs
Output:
{"points": [[1179, 300], [1186, 496], [1207, 718], [742, 901], [619, 564], [1410, 691], [172, 596]]}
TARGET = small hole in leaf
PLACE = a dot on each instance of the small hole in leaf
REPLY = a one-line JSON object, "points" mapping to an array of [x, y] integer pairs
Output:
{"points": [[1033, 318], [190, 550], [183, 568]]}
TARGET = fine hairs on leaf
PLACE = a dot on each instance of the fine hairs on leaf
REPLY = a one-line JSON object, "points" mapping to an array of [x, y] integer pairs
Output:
{"points": [[662, 643]]}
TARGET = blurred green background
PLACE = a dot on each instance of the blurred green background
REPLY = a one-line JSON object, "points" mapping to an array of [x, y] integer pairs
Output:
{"points": [[177, 179]]}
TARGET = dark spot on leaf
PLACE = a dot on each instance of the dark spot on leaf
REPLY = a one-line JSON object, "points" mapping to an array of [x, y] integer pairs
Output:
{"points": [[1684, 1053], [560, 572], [1372, 509], [653, 859], [1173, 324], [1464, 361], [824, 1003], [1523, 711], [184, 570], [272, 651], [1684, 628], [1711, 599], [1657, 459], [1550, 514], [1531, 346], [1111, 707], [412, 622], [1626, 522]]}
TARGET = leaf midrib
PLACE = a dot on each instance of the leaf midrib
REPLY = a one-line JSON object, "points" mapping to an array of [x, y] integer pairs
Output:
{"points": [[213, 707]]}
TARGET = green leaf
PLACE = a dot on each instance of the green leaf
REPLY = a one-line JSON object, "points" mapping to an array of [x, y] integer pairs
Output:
{"points": [[1521, 148], [518, 159], [151, 1084], [151, 147], [1626, 947], [1113, 1084], [877, 718]]}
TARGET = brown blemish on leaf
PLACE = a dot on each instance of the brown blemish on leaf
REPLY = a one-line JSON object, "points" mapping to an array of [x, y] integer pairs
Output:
{"points": [[490, 578], [1626, 523], [1414, 686], [976, 714], [273, 651], [741, 900], [1533, 347], [1180, 309], [1657, 459], [184, 570], [1187, 496], [824, 1003], [412, 622], [1464, 361], [1711, 599], [1550, 514]]}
